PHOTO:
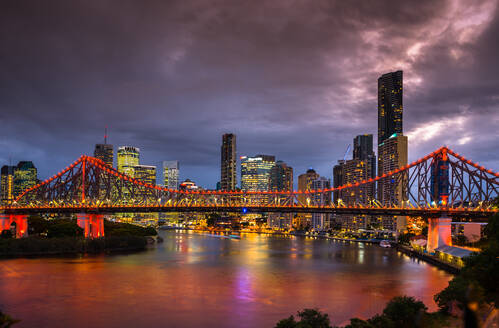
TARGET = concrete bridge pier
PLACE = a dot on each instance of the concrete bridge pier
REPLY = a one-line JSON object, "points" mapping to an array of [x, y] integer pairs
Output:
{"points": [[439, 233], [93, 224], [17, 221]]}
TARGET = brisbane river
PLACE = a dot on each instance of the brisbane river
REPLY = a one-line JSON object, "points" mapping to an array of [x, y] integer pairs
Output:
{"points": [[198, 280]]}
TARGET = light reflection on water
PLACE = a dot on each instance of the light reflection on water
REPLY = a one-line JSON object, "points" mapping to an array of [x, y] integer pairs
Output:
{"points": [[199, 280]]}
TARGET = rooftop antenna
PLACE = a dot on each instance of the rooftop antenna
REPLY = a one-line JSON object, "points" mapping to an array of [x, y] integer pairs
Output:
{"points": [[105, 135], [346, 153]]}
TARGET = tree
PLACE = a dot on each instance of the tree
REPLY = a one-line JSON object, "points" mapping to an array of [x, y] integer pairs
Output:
{"points": [[405, 311], [309, 318], [6, 321]]}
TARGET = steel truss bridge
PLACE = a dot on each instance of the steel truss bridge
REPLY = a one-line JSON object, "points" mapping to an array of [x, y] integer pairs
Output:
{"points": [[89, 185], [443, 183]]}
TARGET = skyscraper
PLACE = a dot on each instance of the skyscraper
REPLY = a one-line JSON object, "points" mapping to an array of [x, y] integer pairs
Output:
{"points": [[7, 184], [281, 177], [25, 176], [145, 173], [228, 162], [338, 179], [320, 221], [127, 159], [104, 152], [392, 155], [305, 183], [170, 174], [255, 172], [390, 105]]}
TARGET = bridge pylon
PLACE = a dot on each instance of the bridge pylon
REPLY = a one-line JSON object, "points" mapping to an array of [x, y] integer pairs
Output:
{"points": [[20, 222], [439, 233], [93, 224]]}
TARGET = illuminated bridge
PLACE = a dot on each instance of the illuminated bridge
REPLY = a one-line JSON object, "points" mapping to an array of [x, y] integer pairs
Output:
{"points": [[440, 186]]}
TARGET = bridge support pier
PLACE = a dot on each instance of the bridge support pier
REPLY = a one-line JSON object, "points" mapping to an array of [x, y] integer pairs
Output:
{"points": [[93, 224], [20, 221], [439, 233]]}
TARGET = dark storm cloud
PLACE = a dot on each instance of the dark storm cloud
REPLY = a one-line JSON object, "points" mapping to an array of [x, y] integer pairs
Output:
{"points": [[296, 79]]}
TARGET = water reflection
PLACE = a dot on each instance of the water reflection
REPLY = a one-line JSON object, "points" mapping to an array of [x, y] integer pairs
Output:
{"points": [[195, 279]]}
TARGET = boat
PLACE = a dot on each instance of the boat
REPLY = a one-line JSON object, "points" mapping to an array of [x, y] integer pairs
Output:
{"points": [[235, 236], [385, 244]]}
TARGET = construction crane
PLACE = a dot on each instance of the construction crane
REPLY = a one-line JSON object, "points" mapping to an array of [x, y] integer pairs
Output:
{"points": [[346, 153]]}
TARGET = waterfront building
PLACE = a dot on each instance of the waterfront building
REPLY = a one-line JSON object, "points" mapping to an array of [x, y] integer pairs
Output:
{"points": [[145, 173], [321, 221], [171, 174], [7, 184], [338, 179], [25, 176], [305, 183], [228, 162], [255, 172], [281, 177], [105, 153], [390, 106], [127, 158], [392, 154]]}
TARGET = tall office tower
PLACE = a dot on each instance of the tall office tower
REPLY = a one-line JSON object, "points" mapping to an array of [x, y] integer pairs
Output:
{"points": [[392, 155], [320, 221], [255, 172], [145, 173], [305, 183], [281, 177], [7, 184], [104, 152], [228, 162], [338, 180], [127, 159], [25, 176], [357, 170], [170, 174], [389, 105]]}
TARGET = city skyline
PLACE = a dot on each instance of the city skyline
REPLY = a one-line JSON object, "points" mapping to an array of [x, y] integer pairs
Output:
{"points": [[160, 99]]}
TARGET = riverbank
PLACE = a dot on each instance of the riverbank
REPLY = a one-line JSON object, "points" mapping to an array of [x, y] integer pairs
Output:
{"points": [[278, 233], [429, 259], [39, 246]]}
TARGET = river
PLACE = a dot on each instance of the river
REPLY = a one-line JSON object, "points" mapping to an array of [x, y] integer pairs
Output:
{"points": [[197, 280]]}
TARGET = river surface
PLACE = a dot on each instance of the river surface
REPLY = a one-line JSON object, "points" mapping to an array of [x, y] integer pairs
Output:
{"points": [[198, 280]]}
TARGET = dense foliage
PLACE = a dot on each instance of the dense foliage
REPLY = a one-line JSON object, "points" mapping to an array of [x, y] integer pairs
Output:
{"points": [[127, 229], [478, 280], [401, 311], [6, 321]]}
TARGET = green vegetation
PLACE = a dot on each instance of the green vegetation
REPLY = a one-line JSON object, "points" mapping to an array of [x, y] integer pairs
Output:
{"points": [[127, 229], [64, 236], [6, 321], [401, 311], [477, 281]]}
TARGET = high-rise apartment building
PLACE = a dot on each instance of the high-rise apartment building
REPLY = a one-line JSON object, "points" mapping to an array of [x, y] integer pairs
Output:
{"points": [[7, 184], [281, 177], [392, 154], [390, 106], [25, 176], [228, 162], [338, 179], [255, 172], [105, 153], [320, 221], [145, 173], [127, 159], [170, 174], [305, 183]]}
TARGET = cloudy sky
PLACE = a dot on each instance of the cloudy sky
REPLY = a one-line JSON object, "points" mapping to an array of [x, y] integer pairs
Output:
{"points": [[295, 79]]}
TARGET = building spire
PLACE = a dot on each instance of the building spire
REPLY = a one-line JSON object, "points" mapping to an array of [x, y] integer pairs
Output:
{"points": [[105, 135]]}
